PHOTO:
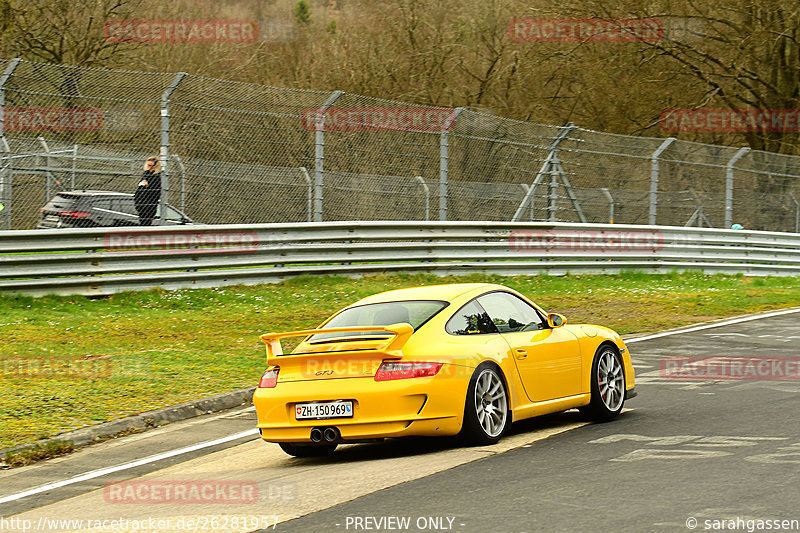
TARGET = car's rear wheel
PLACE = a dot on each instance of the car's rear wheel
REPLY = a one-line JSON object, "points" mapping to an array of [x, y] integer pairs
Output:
{"points": [[608, 385], [307, 450], [486, 414]]}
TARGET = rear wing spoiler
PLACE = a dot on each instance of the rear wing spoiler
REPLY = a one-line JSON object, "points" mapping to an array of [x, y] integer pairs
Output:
{"points": [[393, 348]]}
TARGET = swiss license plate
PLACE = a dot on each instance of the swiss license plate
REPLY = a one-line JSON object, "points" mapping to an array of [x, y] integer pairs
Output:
{"points": [[52, 218], [320, 410]]}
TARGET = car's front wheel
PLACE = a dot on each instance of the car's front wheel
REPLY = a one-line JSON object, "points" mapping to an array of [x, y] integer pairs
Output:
{"points": [[486, 414], [608, 385], [307, 450]]}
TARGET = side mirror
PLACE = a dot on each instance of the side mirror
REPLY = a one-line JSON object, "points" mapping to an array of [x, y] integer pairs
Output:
{"points": [[554, 320]]}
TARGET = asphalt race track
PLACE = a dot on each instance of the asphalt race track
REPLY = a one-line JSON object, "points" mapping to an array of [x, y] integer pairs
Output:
{"points": [[713, 448]]}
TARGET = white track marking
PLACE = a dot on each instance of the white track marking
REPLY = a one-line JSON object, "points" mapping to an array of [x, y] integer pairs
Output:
{"points": [[126, 466], [714, 325]]}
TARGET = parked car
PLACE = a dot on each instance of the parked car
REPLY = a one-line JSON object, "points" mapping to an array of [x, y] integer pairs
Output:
{"points": [[462, 359], [91, 209]]}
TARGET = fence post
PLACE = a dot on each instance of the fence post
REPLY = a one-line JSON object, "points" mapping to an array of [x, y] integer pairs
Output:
{"points": [[74, 167], [552, 195], [796, 213], [427, 194], [5, 184], [48, 175], [527, 189], [164, 155], [610, 199], [551, 164], [443, 158], [319, 154], [10, 68], [654, 178], [177, 158], [309, 194], [729, 185]]}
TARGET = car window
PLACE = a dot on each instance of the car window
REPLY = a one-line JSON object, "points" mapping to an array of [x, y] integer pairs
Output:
{"points": [[470, 320], [123, 205], [101, 203], [414, 312], [509, 313], [61, 202], [118, 210], [126, 205]]}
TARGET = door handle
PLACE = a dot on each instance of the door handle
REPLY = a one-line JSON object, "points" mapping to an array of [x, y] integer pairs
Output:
{"points": [[522, 353]]}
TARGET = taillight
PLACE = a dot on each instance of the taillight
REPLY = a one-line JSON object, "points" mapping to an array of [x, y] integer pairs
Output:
{"points": [[390, 370], [269, 379], [74, 214]]}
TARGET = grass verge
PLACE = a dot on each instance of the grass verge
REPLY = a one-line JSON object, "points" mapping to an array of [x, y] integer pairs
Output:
{"points": [[70, 362], [38, 452]]}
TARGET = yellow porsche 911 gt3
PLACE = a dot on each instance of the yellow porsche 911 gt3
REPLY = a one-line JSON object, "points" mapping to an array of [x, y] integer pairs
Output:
{"points": [[461, 359]]}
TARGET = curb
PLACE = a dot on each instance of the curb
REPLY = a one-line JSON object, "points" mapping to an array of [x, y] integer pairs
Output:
{"points": [[148, 419]]}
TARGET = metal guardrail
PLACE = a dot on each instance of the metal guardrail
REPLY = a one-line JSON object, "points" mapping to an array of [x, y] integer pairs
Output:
{"points": [[109, 260]]}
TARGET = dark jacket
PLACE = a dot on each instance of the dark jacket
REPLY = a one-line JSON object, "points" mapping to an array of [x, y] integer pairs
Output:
{"points": [[148, 192]]}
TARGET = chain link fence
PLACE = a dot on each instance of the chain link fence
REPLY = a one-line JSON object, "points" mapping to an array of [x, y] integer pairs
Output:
{"points": [[235, 152]]}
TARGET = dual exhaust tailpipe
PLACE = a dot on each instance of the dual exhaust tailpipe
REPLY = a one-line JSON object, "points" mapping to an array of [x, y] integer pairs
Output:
{"points": [[327, 434]]}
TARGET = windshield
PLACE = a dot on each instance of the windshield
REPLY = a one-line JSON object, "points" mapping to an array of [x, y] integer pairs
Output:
{"points": [[414, 312]]}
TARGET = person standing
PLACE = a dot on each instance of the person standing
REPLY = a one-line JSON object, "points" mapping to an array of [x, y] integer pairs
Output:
{"points": [[148, 193]]}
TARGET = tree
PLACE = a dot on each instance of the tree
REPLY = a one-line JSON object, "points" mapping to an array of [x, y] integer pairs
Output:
{"points": [[63, 31], [739, 54]]}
